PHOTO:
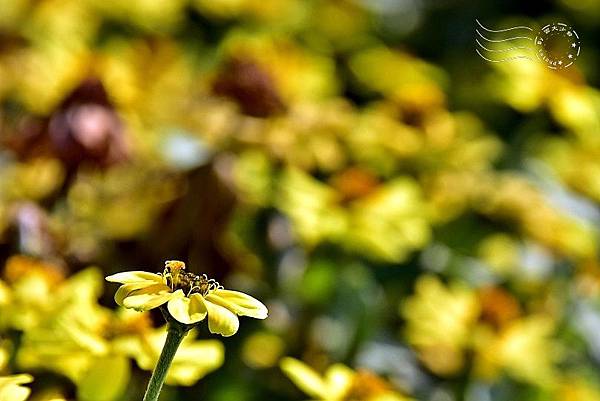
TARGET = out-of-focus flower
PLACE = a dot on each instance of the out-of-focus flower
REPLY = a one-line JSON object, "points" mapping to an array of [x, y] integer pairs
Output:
{"points": [[387, 222], [34, 180], [119, 203], [135, 197], [299, 76], [65, 330], [28, 276], [193, 360], [501, 252], [11, 388], [62, 323], [62, 345], [440, 320], [147, 15], [251, 87], [189, 298], [55, 296], [339, 383], [262, 350], [574, 161], [275, 13], [87, 129], [524, 349], [498, 306], [513, 198], [312, 206], [399, 76], [84, 129], [64, 327], [390, 222]]}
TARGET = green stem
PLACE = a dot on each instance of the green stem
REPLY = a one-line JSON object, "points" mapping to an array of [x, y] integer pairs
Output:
{"points": [[175, 334]]}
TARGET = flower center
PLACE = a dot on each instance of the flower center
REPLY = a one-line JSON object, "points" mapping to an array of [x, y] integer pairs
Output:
{"points": [[179, 279]]}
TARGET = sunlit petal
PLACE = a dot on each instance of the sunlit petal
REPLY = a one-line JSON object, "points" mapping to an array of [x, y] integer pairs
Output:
{"points": [[11, 389], [339, 380], [305, 378], [148, 298], [221, 320], [126, 289], [187, 310], [239, 303], [135, 277]]}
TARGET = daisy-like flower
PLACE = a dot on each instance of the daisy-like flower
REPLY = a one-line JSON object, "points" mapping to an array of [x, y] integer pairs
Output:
{"points": [[190, 298], [339, 383]]}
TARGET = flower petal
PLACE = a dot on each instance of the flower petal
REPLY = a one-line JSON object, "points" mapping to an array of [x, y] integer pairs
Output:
{"points": [[148, 298], [135, 277], [239, 303], [22, 378], [307, 379], [11, 389], [126, 289], [338, 380], [187, 310], [221, 320]]}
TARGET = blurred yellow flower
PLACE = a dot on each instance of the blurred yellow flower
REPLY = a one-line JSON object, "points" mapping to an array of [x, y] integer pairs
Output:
{"points": [[524, 349], [439, 323], [189, 298], [11, 389], [193, 361], [55, 295], [299, 76], [33, 180], [340, 383], [399, 76], [62, 345], [501, 252], [387, 222], [312, 206], [262, 350], [390, 223]]}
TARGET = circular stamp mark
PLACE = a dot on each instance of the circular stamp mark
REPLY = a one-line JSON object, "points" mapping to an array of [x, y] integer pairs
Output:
{"points": [[557, 45]]}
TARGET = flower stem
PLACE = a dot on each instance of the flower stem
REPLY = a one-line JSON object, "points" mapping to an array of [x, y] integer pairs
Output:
{"points": [[175, 334]]}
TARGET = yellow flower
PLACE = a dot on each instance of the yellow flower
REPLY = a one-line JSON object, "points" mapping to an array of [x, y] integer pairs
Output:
{"points": [[11, 389], [194, 360], [439, 322], [189, 298], [524, 349], [340, 383]]}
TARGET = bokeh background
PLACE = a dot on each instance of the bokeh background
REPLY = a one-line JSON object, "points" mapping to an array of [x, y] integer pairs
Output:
{"points": [[404, 208]]}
